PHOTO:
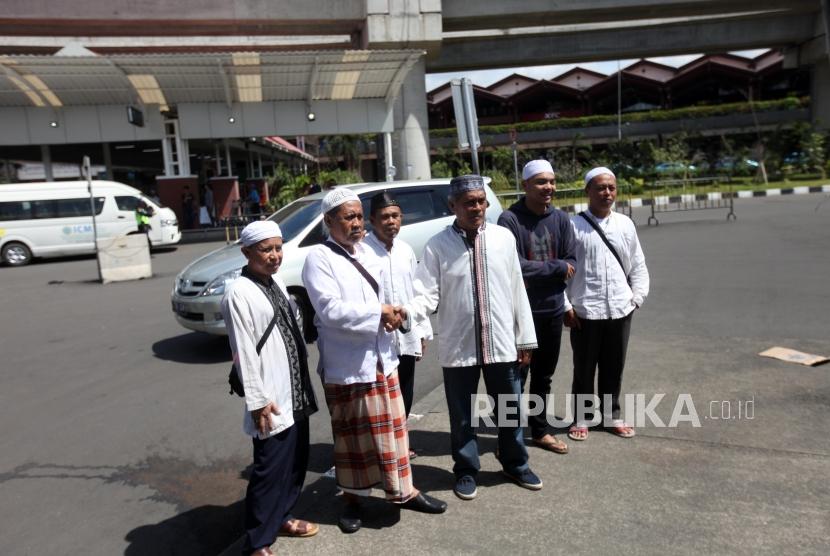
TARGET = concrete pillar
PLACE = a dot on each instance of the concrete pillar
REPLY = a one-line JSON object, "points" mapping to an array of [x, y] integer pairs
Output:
{"points": [[225, 195], [46, 158], [167, 156], [184, 155], [411, 127], [389, 168], [820, 94], [218, 160], [107, 160], [171, 190], [228, 162]]}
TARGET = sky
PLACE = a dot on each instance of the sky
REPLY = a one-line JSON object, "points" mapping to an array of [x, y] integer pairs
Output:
{"points": [[486, 78]]}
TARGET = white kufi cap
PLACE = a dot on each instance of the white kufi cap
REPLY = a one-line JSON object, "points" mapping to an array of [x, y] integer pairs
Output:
{"points": [[337, 197], [536, 167], [258, 231], [597, 172]]}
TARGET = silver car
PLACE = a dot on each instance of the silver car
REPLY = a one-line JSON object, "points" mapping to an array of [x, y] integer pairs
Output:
{"points": [[200, 286]]}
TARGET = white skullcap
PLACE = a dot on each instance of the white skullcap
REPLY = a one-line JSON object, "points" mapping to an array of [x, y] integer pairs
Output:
{"points": [[536, 167], [337, 197], [596, 172], [258, 231]]}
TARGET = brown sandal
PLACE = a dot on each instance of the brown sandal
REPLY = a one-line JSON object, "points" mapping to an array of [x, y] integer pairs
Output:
{"points": [[553, 444], [298, 528]]}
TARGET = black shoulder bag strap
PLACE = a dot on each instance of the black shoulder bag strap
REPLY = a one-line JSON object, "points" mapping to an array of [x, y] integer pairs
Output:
{"points": [[604, 238], [357, 265]]}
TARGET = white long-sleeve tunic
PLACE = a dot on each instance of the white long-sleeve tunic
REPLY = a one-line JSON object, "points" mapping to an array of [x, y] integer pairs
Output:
{"points": [[267, 376], [351, 338], [599, 289], [483, 311], [399, 270]]}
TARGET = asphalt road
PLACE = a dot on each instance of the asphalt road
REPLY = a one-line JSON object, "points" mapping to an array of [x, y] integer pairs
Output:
{"points": [[116, 427], [117, 434]]}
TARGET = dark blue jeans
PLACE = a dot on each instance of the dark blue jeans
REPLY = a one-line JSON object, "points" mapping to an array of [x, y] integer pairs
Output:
{"points": [[460, 386]]}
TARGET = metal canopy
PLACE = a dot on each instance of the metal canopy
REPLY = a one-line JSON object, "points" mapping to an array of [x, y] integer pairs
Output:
{"points": [[170, 79]]}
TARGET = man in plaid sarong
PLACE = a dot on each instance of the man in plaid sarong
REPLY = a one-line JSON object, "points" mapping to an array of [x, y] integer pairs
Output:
{"points": [[358, 365], [370, 437]]}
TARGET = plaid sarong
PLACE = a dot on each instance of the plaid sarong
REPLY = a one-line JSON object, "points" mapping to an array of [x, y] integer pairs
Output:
{"points": [[371, 444]]}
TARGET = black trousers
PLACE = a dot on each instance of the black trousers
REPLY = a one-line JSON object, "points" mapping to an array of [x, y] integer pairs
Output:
{"points": [[600, 344], [280, 464], [406, 376], [541, 368]]}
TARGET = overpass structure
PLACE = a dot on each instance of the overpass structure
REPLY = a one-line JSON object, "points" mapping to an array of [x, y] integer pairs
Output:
{"points": [[215, 69]]}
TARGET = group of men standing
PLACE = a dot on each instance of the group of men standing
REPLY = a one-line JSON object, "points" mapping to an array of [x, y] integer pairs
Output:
{"points": [[504, 294]]}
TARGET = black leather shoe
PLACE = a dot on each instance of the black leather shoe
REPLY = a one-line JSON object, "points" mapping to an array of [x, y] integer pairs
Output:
{"points": [[349, 521], [425, 504]]}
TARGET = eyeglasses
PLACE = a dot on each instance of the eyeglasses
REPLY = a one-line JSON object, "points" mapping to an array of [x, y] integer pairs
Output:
{"points": [[543, 181]]}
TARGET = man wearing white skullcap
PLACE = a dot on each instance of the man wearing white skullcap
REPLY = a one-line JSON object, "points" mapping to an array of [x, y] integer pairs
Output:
{"points": [[270, 358], [258, 231], [610, 283], [358, 364], [544, 240], [598, 171], [337, 197]]}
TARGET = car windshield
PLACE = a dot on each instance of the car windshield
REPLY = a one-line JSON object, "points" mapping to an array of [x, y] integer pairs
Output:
{"points": [[295, 217]]}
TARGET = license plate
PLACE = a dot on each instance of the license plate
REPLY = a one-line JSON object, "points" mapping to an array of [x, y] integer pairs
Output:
{"points": [[179, 307]]}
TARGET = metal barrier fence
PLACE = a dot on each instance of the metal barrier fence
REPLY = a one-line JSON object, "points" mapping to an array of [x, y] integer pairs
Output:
{"points": [[235, 222], [688, 199]]}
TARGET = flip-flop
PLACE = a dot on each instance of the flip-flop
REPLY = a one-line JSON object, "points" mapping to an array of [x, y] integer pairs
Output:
{"points": [[554, 445], [298, 528], [621, 429], [578, 433]]}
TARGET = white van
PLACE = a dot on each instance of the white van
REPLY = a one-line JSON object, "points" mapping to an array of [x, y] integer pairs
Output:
{"points": [[52, 219]]}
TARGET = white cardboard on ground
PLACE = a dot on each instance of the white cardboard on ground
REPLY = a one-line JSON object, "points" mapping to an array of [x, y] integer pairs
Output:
{"points": [[793, 356]]}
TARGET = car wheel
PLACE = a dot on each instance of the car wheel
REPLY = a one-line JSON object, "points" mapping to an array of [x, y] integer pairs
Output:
{"points": [[16, 254]]}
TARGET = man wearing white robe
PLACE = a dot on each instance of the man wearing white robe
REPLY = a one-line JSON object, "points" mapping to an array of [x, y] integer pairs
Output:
{"points": [[358, 365], [399, 264], [270, 359], [470, 272], [610, 284]]}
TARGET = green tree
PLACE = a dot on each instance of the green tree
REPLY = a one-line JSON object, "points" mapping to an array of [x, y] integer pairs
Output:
{"points": [[440, 169], [499, 181], [345, 148], [448, 162], [814, 155], [674, 155], [502, 160]]}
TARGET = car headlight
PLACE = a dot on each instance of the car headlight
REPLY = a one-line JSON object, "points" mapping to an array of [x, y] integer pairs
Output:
{"points": [[169, 222], [218, 284]]}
